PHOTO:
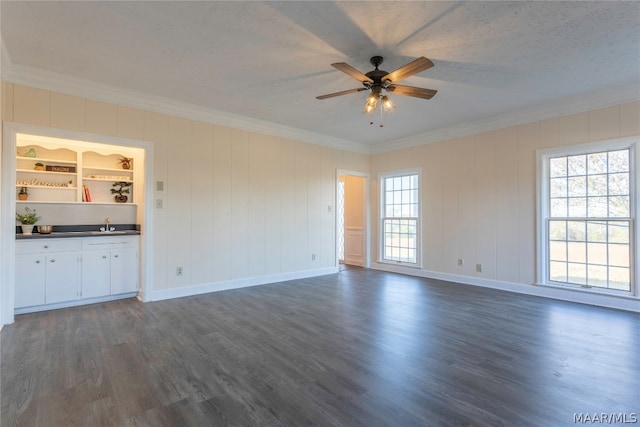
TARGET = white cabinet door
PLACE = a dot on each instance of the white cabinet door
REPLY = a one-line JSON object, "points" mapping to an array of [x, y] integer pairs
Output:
{"points": [[124, 270], [30, 280], [62, 283], [95, 274]]}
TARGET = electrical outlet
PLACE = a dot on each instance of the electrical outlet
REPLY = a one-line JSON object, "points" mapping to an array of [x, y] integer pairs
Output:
{"points": [[313, 257], [460, 262], [479, 268], [159, 204], [178, 271]]}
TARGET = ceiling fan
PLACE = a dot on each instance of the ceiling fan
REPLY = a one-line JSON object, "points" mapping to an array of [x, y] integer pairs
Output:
{"points": [[377, 80]]}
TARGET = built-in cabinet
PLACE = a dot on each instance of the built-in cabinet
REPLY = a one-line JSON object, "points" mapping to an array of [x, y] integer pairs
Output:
{"points": [[71, 270], [74, 173], [47, 272], [109, 266]]}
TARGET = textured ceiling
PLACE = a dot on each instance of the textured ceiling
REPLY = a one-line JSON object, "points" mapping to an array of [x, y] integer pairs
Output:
{"points": [[268, 60]]}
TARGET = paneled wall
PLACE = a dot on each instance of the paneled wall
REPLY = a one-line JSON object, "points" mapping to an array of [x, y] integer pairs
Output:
{"points": [[3, 289], [237, 204], [478, 192]]}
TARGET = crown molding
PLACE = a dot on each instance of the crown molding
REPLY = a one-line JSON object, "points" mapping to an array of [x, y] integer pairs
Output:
{"points": [[62, 83], [580, 104], [69, 85]]}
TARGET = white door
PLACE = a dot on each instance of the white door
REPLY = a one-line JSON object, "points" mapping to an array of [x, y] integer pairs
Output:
{"points": [[30, 280], [62, 283], [124, 270], [96, 278]]}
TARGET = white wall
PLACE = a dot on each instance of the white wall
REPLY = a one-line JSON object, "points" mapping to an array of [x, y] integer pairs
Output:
{"points": [[3, 285], [237, 204], [240, 205], [478, 193]]}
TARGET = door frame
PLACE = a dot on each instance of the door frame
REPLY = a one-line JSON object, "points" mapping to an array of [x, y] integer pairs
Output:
{"points": [[367, 217]]}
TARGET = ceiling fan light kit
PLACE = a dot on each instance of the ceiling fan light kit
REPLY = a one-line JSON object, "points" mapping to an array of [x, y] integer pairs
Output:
{"points": [[378, 80]]}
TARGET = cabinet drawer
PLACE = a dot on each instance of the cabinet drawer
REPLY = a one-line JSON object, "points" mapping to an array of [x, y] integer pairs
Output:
{"points": [[96, 243], [46, 246]]}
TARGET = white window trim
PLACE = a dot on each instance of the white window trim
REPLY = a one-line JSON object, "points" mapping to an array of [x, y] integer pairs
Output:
{"points": [[381, 216], [542, 204]]}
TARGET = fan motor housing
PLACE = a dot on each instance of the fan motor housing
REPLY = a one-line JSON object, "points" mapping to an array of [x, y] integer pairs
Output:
{"points": [[376, 75]]}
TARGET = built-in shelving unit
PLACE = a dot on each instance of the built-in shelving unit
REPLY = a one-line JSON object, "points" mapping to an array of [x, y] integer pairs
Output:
{"points": [[52, 173]]}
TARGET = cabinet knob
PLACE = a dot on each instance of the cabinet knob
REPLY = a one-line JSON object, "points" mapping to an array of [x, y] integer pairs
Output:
{"points": [[53, 260], [46, 246], [104, 256], [116, 255], [37, 261]]}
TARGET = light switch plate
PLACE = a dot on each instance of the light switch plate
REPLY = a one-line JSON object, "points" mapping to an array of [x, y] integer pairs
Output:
{"points": [[159, 185]]}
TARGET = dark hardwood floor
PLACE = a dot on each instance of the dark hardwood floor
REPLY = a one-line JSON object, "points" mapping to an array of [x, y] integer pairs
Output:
{"points": [[358, 348]]}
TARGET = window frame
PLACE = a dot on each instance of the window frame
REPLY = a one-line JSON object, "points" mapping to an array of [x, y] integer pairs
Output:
{"points": [[382, 217], [543, 209]]}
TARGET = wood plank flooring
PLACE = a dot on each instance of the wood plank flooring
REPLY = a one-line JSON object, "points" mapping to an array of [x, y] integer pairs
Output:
{"points": [[358, 348]]}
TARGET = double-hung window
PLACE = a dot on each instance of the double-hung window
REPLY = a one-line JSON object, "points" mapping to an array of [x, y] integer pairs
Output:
{"points": [[587, 211], [400, 217]]}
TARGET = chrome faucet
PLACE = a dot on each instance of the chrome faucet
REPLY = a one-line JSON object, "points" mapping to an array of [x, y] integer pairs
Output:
{"points": [[107, 225]]}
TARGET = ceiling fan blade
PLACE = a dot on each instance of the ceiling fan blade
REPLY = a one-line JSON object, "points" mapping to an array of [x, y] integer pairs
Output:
{"points": [[348, 69], [344, 92], [417, 92], [413, 67]]}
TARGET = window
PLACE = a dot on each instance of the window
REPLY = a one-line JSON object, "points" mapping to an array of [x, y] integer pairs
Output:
{"points": [[588, 217], [400, 214]]}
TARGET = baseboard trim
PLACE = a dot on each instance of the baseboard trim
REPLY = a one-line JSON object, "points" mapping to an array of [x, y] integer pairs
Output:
{"points": [[622, 302], [75, 303], [205, 288], [354, 261]]}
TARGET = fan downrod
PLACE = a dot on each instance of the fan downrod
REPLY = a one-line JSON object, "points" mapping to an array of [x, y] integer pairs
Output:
{"points": [[376, 61]]}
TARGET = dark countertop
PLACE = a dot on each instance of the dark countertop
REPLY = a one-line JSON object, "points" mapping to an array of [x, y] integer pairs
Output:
{"points": [[62, 231]]}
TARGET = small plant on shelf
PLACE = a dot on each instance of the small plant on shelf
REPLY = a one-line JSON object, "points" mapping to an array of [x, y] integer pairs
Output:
{"points": [[125, 162], [38, 166], [23, 194], [27, 217], [120, 189]]}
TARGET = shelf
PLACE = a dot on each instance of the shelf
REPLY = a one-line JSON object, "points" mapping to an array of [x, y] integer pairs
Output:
{"points": [[48, 187], [106, 180], [45, 172], [97, 168], [43, 160]]}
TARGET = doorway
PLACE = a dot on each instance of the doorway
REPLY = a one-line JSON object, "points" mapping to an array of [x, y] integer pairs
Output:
{"points": [[143, 214], [352, 222]]}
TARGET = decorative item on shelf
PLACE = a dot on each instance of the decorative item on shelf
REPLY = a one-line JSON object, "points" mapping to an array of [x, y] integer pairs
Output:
{"points": [[38, 167], [125, 162], [86, 194], [23, 194], [45, 229], [120, 191], [27, 219], [39, 183], [30, 153], [54, 168], [109, 177]]}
